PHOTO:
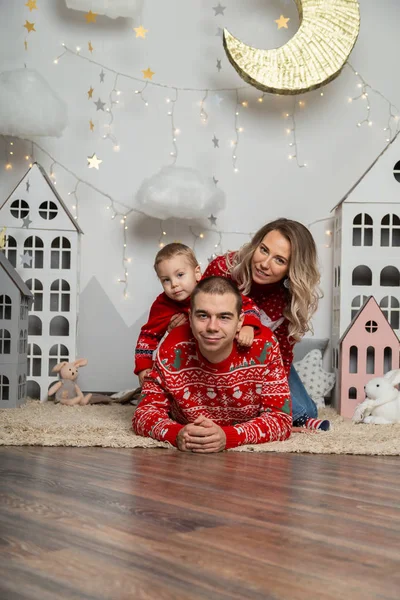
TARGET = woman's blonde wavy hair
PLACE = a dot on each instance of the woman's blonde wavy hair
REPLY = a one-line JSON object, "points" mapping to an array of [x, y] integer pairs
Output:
{"points": [[304, 276]]}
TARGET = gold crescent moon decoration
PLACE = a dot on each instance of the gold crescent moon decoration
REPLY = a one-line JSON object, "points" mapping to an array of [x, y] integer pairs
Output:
{"points": [[311, 58]]}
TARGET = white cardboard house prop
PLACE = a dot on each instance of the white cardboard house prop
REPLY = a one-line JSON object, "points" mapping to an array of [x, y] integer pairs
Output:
{"points": [[366, 258], [42, 243], [15, 302]]}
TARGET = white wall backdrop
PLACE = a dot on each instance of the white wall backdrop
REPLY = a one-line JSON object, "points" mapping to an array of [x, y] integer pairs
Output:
{"points": [[182, 48]]}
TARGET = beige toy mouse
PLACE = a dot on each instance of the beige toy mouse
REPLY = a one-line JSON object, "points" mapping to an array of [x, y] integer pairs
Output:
{"points": [[66, 390]]}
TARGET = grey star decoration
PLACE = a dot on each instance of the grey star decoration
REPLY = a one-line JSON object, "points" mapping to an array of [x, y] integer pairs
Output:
{"points": [[26, 259], [215, 141], [212, 219], [219, 9], [220, 32], [215, 180], [102, 75], [100, 105], [28, 185], [219, 66], [26, 222]]}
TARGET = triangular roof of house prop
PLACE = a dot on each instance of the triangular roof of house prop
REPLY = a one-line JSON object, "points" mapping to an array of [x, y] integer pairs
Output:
{"points": [[12, 273], [358, 315], [359, 180], [53, 189]]}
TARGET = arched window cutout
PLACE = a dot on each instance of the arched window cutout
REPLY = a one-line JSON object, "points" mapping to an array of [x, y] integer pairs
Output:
{"points": [[59, 326], [335, 274], [387, 359], [36, 287], [356, 304], [58, 353], [5, 341], [19, 209], [362, 275], [48, 210], [34, 247], [10, 249], [33, 390], [390, 307], [370, 360], [353, 393], [60, 296], [60, 253], [4, 388], [362, 230], [21, 342], [5, 307], [34, 325], [34, 360], [390, 231], [390, 276], [353, 359]]}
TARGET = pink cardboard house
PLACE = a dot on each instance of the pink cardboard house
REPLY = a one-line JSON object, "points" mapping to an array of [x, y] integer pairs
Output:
{"points": [[368, 348]]}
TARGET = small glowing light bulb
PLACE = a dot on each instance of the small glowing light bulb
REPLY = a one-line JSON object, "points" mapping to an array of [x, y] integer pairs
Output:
{"points": [[260, 99], [55, 61], [201, 235]]}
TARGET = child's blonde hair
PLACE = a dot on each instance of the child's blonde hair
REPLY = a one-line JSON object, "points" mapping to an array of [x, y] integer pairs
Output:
{"points": [[175, 249]]}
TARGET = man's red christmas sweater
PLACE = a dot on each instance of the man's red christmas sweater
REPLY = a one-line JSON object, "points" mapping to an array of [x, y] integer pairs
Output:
{"points": [[161, 312], [271, 299], [247, 394]]}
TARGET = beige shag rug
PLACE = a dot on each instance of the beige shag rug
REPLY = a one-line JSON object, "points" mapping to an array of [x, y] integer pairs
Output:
{"points": [[109, 426]]}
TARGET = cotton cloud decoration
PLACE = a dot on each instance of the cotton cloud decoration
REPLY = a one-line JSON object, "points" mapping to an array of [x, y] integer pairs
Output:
{"points": [[29, 107], [179, 192], [109, 8]]}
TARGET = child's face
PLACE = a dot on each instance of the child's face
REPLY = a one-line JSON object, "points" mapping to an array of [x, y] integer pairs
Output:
{"points": [[178, 277]]}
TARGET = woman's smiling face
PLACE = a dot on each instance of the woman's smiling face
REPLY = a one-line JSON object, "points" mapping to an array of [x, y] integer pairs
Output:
{"points": [[270, 261]]}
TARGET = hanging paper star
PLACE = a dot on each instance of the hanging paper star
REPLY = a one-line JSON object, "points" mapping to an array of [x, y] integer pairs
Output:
{"points": [[100, 105], [215, 180], [91, 125], [26, 222], [215, 141], [31, 4], [282, 22], [28, 185], [220, 32], [90, 46], [148, 73], [219, 67], [140, 31], [29, 26], [90, 17], [90, 92], [212, 219], [26, 259], [102, 75], [94, 162], [26, 45], [219, 9]]}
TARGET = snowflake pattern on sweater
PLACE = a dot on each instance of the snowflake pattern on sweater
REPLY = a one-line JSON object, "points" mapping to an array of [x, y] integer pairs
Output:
{"points": [[271, 298], [247, 394]]}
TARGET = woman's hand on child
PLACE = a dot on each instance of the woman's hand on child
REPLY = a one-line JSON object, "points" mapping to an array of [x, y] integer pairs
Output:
{"points": [[142, 375], [176, 321], [245, 336]]}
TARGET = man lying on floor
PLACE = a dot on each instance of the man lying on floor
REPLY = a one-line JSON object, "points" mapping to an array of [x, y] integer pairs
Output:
{"points": [[205, 393]]}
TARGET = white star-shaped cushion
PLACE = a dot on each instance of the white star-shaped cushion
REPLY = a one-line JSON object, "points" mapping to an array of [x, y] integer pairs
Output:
{"points": [[315, 379]]}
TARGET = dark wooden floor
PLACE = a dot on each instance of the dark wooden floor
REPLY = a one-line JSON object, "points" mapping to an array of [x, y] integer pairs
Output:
{"points": [[98, 524]]}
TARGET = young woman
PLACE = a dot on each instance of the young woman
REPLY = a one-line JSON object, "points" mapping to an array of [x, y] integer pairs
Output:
{"points": [[278, 270]]}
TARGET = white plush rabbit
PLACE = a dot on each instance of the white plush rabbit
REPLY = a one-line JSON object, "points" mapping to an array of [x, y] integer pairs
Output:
{"points": [[382, 404]]}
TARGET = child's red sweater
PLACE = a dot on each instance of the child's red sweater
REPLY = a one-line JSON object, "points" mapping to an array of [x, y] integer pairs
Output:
{"points": [[247, 394]]}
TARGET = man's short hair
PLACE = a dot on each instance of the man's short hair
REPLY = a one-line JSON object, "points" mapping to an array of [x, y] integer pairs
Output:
{"points": [[217, 286], [175, 249]]}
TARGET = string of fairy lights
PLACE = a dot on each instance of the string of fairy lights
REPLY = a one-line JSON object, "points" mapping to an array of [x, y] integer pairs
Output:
{"points": [[121, 211]]}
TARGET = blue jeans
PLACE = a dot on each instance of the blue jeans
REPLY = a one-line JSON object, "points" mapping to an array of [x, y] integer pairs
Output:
{"points": [[301, 401]]}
